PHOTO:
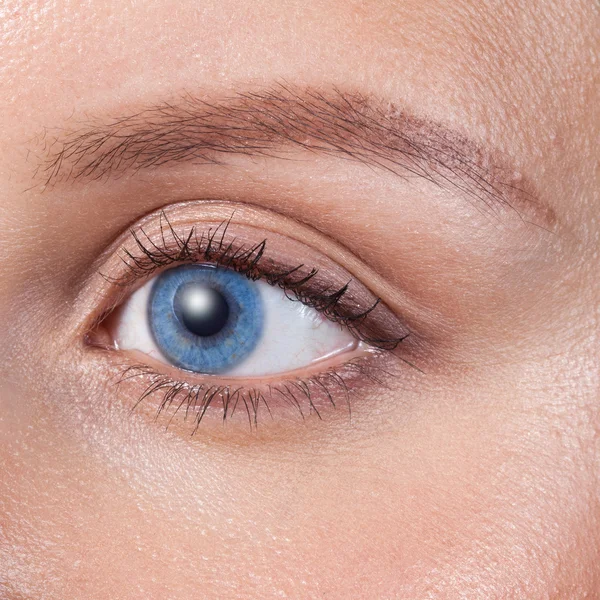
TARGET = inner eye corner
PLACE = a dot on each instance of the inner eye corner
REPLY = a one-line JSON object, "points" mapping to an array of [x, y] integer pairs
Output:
{"points": [[97, 333]]}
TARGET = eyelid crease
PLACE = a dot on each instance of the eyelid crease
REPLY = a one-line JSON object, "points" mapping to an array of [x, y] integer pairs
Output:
{"points": [[241, 214]]}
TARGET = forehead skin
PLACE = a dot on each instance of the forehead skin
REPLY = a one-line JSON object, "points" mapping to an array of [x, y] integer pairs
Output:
{"points": [[515, 519]]}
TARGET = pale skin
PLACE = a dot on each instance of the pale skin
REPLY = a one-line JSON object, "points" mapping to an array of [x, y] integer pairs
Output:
{"points": [[473, 476]]}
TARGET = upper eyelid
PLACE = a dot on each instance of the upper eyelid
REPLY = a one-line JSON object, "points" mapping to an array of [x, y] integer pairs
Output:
{"points": [[171, 246], [185, 246], [241, 214], [96, 296]]}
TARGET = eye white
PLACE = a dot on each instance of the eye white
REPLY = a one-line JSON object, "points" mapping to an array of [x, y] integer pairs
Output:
{"points": [[294, 335]]}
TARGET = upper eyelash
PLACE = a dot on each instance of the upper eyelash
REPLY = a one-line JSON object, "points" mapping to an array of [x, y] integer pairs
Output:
{"points": [[211, 247]]}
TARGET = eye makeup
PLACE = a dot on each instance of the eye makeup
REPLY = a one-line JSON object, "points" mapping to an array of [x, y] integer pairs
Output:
{"points": [[304, 275], [344, 301]]}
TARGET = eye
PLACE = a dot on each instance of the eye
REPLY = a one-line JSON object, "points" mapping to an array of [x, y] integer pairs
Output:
{"points": [[203, 319], [213, 320]]}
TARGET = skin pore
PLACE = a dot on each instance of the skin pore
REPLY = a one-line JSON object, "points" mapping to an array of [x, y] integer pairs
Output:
{"points": [[444, 156]]}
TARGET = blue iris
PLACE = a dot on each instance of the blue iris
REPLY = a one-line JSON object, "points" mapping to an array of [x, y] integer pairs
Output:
{"points": [[204, 318]]}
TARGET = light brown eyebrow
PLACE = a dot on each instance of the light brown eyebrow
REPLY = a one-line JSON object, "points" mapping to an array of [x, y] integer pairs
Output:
{"points": [[348, 125]]}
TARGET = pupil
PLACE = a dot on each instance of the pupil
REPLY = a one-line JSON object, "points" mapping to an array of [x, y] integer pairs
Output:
{"points": [[202, 309]]}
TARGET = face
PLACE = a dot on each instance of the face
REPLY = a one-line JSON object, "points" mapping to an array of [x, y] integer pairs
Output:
{"points": [[409, 410]]}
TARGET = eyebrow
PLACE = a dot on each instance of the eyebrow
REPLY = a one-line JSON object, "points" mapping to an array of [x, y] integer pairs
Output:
{"points": [[269, 123]]}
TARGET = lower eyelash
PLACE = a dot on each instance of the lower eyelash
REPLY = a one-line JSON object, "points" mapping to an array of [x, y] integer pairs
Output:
{"points": [[307, 396]]}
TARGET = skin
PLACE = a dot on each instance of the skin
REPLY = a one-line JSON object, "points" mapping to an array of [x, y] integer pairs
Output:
{"points": [[475, 479]]}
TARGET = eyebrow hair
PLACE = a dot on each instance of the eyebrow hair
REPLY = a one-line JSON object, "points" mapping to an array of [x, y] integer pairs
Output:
{"points": [[350, 125]]}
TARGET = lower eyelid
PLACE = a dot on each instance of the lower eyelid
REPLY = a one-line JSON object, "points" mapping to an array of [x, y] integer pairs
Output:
{"points": [[360, 352], [252, 403]]}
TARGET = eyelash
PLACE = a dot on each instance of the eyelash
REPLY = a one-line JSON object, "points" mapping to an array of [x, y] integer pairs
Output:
{"points": [[304, 395], [298, 285], [211, 248]]}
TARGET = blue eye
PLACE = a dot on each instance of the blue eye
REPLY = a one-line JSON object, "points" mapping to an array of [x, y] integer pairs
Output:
{"points": [[205, 319], [215, 321]]}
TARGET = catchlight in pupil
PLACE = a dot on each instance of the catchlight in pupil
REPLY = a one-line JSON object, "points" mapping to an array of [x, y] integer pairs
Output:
{"points": [[202, 309], [205, 319]]}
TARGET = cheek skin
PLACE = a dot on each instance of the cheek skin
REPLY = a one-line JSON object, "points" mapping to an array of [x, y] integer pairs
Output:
{"points": [[412, 513]]}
